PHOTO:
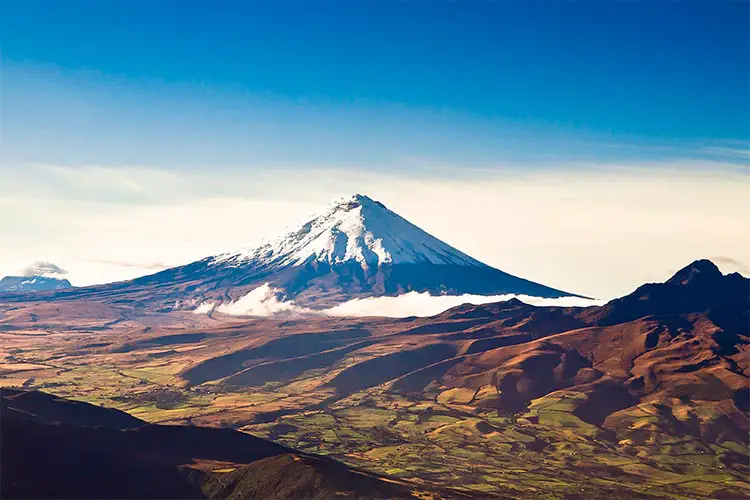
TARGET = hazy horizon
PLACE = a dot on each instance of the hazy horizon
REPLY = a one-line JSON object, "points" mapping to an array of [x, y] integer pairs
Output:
{"points": [[589, 148]]}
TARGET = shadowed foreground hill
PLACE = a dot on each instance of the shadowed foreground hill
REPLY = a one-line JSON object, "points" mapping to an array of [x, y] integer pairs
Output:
{"points": [[53, 448]]}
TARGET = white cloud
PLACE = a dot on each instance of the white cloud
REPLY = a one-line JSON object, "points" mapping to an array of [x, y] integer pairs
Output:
{"points": [[204, 308], [261, 301], [42, 268], [265, 301], [424, 304]]}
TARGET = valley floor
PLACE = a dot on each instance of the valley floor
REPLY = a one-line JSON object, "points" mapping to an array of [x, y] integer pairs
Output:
{"points": [[438, 436]]}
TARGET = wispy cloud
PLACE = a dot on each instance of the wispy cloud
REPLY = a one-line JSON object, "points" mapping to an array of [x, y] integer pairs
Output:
{"points": [[137, 265], [742, 154], [112, 184], [43, 268], [731, 265]]}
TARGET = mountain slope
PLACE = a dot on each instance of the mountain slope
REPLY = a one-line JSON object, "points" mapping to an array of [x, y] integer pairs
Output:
{"points": [[354, 248], [698, 287], [355, 229], [681, 345], [647, 396]]}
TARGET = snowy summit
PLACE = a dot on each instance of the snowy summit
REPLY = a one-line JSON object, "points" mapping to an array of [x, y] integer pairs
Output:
{"points": [[353, 229]]}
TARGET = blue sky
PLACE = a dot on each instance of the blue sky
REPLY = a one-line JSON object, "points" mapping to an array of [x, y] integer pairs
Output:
{"points": [[400, 85], [560, 141]]}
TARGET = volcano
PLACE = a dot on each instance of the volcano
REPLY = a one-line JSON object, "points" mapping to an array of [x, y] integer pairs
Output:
{"points": [[354, 248]]}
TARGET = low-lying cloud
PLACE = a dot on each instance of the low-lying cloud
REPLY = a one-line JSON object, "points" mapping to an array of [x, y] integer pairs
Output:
{"points": [[267, 301], [43, 268], [424, 304], [262, 301]]}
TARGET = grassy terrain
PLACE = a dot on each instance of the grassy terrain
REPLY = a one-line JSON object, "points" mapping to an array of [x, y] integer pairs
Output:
{"points": [[484, 453], [441, 435], [544, 451]]}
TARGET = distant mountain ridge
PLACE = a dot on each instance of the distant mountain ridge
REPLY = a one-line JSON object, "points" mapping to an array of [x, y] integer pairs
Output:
{"points": [[355, 248], [698, 287], [32, 284]]}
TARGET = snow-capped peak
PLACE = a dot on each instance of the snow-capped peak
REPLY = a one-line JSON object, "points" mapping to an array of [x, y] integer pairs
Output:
{"points": [[353, 229]]}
